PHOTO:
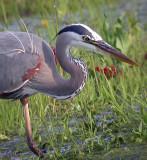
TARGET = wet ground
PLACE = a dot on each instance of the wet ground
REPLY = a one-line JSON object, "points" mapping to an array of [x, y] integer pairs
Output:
{"points": [[16, 147]]}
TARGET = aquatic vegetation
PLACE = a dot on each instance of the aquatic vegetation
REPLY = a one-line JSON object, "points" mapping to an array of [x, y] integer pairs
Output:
{"points": [[110, 116]]}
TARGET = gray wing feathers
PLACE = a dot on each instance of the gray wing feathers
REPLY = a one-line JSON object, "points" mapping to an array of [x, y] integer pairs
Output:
{"points": [[17, 57], [10, 43], [13, 70]]}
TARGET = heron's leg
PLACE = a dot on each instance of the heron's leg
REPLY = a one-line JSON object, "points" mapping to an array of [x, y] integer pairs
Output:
{"points": [[31, 143]]}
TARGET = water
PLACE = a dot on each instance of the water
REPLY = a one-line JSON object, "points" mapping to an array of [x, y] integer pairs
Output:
{"points": [[139, 7], [17, 149]]}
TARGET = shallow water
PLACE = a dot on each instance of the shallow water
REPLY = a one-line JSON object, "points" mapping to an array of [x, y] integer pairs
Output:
{"points": [[139, 7], [16, 148]]}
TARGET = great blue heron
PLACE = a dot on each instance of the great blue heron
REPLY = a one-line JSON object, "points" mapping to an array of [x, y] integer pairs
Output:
{"points": [[27, 66]]}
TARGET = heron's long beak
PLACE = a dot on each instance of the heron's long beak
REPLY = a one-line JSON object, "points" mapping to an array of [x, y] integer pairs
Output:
{"points": [[107, 49]]}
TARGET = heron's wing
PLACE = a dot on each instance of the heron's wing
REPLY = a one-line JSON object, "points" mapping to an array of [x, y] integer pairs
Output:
{"points": [[16, 70], [17, 66]]}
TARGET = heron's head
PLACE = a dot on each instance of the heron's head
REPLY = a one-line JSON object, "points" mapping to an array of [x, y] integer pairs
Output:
{"points": [[80, 35]]}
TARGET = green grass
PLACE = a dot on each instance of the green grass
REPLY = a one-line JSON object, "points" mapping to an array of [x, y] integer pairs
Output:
{"points": [[109, 115]]}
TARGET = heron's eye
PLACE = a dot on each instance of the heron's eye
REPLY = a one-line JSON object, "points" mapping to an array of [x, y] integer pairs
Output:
{"points": [[86, 38]]}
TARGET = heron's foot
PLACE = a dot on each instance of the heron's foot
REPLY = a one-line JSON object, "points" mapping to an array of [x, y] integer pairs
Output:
{"points": [[34, 148]]}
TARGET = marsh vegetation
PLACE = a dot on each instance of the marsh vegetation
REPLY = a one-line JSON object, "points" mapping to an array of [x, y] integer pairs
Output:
{"points": [[108, 120]]}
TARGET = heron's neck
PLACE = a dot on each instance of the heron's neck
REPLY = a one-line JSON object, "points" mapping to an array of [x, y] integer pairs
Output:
{"points": [[75, 67]]}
